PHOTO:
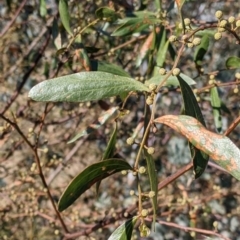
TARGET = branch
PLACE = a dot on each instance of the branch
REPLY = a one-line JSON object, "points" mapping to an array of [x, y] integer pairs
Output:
{"points": [[4, 31], [34, 150]]}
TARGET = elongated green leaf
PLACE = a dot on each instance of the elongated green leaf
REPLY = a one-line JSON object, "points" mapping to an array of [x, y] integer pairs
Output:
{"points": [[64, 15], [106, 116], [219, 147], [216, 105], [106, 14], [43, 8], [158, 4], [171, 81], [134, 25], [233, 62], [161, 53], [191, 108], [161, 56], [109, 152], [56, 35], [201, 50], [124, 231], [90, 175], [152, 174], [108, 67], [84, 86], [172, 51]]}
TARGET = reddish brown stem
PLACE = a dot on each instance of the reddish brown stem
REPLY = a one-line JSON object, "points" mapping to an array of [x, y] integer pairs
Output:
{"points": [[174, 176], [4, 31], [45, 185]]}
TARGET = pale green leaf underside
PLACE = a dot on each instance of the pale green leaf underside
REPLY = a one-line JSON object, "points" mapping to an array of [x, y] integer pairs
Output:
{"points": [[124, 231], [84, 86]]}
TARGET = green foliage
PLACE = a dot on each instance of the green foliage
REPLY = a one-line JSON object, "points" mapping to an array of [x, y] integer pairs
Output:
{"points": [[134, 25], [216, 105], [64, 15], [84, 180], [107, 14], [83, 87], [124, 231], [233, 62], [152, 174], [191, 108], [201, 50]]}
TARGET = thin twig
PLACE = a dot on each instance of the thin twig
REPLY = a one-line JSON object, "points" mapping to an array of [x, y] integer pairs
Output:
{"points": [[174, 176], [45, 185], [26, 76], [232, 126], [4, 31], [191, 229]]}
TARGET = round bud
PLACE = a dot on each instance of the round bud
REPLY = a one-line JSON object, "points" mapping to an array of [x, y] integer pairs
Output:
{"points": [[195, 91], [130, 141], [152, 86], [211, 76], [211, 81], [149, 100], [187, 21], [237, 75], [215, 224], [218, 14], [238, 23], [124, 172], [236, 90], [144, 212], [151, 194], [231, 19], [180, 26], [196, 41], [223, 23], [162, 71], [150, 150], [132, 192], [220, 29], [190, 45], [217, 36], [176, 71], [184, 37], [142, 170], [172, 38]]}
